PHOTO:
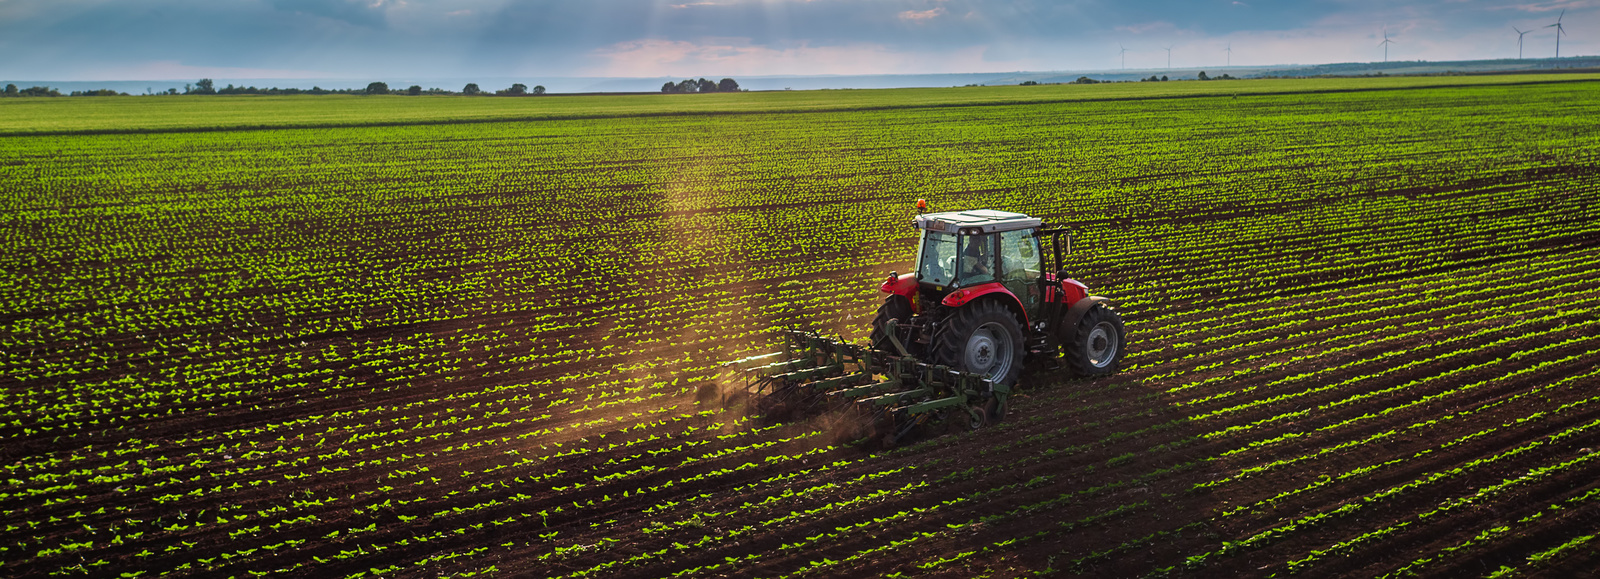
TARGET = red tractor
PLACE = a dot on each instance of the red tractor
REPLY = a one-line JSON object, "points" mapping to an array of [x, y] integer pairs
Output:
{"points": [[982, 297], [951, 336]]}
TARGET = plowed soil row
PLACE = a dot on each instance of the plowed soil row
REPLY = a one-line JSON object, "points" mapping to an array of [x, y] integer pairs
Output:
{"points": [[480, 349]]}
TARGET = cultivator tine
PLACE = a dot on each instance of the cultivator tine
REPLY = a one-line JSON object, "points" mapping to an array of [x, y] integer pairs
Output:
{"points": [[859, 391], [931, 405], [889, 388], [827, 385], [896, 399], [779, 367], [893, 332], [901, 431]]}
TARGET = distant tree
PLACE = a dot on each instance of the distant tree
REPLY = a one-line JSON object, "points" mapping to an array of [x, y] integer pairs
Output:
{"points": [[727, 85], [378, 88], [704, 85], [40, 91], [1163, 77], [471, 89], [11, 90], [517, 89], [688, 86], [669, 88], [415, 89], [1203, 76], [1085, 80], [538, 89], [204, 86], [1029, 83]]}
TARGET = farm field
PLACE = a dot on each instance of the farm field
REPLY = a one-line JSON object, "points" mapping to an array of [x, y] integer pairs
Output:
{"points": [[239, 343]]}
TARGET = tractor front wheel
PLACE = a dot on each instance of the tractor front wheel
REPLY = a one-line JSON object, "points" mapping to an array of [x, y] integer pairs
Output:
{"points": [[982, 338], [1097, 346]]}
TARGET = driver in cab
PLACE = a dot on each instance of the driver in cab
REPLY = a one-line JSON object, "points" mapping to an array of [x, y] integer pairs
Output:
{"points": [[977, 262]]}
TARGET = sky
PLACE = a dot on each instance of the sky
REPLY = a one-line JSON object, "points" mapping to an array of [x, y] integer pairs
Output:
{"points": [[308, 39]]}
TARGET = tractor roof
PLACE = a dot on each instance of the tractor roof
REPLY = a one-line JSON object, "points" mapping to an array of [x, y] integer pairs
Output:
{"points": [[986, 220]]}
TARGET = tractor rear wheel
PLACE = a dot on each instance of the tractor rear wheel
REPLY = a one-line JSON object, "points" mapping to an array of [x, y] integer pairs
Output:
{"points": [[981, 338], [895, 307], [1097, 347]]}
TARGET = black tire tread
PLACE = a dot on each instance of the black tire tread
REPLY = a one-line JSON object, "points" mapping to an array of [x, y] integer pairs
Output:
{"points": [[1074, 352], [952, 335]]}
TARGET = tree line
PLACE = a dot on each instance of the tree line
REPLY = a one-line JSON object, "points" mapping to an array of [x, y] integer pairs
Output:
{"points": [[206, 86], [702, 85]]}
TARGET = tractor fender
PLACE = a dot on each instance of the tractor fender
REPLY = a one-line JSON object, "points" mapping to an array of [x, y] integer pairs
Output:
{"points": [[900, 285], [1069, 320], [1073, 290], [962, 296]]}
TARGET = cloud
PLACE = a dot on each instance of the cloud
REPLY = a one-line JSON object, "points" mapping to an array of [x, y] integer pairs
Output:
{"points": [[59, 39], [739, 57], [366, 13], [172, 69], [922, 15], [1551, 6], [1146, 27]]}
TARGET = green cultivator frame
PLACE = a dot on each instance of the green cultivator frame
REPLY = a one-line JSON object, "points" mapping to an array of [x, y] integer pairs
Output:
{"points": [[893, 390]]}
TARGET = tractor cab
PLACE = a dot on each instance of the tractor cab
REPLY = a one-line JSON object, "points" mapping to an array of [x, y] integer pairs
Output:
{"points": [[968, 250]]}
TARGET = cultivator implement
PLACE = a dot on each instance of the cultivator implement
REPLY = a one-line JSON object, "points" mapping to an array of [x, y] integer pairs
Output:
{"points": [[893, 391]]}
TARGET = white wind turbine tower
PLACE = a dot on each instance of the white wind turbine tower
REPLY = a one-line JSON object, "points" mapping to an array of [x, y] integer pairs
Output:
{"points": [[1124, 55], [1229, 50], [1520, 34], [1559, 31], [1385, 44], [1169, 58]]}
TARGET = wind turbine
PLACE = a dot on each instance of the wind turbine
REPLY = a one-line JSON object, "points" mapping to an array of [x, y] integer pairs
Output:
{"points": [[1520, 34], [1559, 31], [1124, 55], [1385, 44], [1169, 57], [1228, 50]]}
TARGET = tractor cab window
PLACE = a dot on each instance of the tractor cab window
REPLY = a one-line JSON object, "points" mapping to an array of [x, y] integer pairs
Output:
{"points": [[977, 261], [936, 260], [956, 260], [1019, 256]]}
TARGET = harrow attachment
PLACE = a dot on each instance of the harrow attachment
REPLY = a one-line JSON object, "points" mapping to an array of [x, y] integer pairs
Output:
{"points": [[892, 391]]}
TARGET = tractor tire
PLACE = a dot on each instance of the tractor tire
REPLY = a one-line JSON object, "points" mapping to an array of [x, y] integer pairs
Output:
{"points": [[895, 307], [1098, 345], [982, 338]]}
